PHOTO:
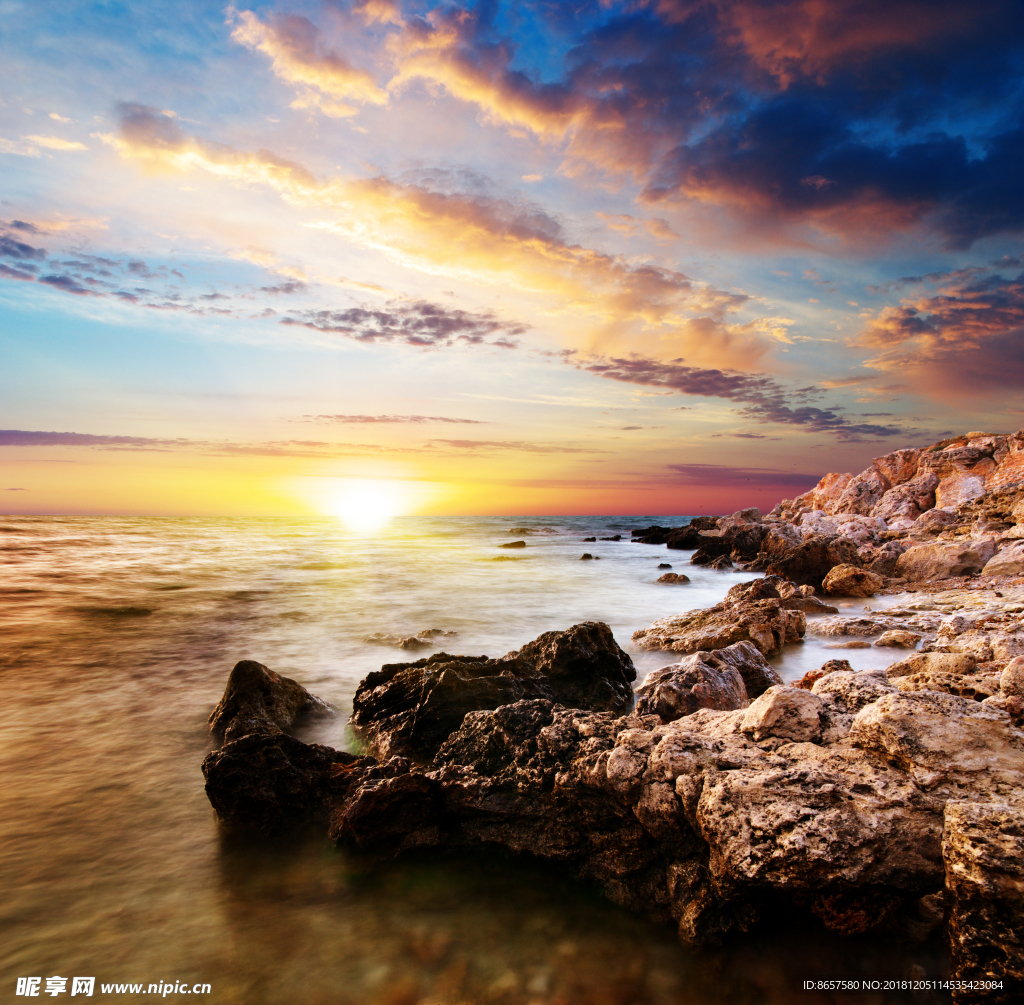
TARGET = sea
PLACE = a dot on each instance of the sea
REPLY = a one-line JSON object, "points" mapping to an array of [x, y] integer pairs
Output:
{"points": [[116, 638]]}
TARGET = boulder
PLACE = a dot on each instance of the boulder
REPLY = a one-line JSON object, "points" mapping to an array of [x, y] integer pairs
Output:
{"points": [[721, 563], [955, 663], [935, 521], [809, 562], [983, 853], [810, 678], [849, 581], [851, 691], [257, 700], [673, 577], [944, 559], [1011, 681], [751, 612], [695, 682], [1008, 561], [409, 709], [897, 638], [786, 712]]}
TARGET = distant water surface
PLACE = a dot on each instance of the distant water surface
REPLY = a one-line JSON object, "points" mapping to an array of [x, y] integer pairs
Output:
{"points": [[117, 637]]}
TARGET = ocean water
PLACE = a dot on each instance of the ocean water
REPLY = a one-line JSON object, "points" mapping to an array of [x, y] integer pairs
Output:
{"points": [[116, 638]]}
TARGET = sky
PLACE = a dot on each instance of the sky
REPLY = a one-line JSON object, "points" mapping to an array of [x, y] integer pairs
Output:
{"points": [[652, 257]]}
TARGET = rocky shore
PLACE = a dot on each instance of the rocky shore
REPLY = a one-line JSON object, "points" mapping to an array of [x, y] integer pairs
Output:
{"points": [[715, 795]]}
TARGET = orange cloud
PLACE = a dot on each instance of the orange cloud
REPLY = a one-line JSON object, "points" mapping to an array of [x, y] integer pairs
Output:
{"points": [[326, 80]]}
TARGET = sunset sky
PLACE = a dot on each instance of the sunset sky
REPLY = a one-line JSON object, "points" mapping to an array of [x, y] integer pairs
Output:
{"points": [[673, 256]]}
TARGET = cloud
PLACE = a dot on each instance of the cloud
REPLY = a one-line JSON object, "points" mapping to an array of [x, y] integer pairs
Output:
{"points": [[519, 445], [390, 419], [418, 324], [56, 143], [719, 475], [10, 248], [960, 340], [67, 284], [294, 44], [758, 394]]}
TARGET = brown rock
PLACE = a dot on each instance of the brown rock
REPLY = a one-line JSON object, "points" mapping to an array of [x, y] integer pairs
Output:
{"points": [[862, 493], [849, 581], [1008, 561], [899, 466], [908, 499], [1011, 681], [673, 577], [786, 712], [954, 663], [944, 559], [257, 700], [898, 639]]}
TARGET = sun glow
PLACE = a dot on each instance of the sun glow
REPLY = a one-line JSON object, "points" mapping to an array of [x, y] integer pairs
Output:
{"points": [[365, 505]]}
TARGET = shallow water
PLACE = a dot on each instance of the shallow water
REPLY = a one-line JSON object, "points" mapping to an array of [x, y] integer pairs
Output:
{"points": [[118, 635]]}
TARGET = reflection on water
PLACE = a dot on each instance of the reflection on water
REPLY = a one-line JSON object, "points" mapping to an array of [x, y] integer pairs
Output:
{"points": [[117, 638]]}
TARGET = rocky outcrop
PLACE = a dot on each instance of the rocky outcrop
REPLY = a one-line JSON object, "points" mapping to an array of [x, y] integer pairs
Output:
{"points": [[944, 559], [409, 709], [751, 612]]}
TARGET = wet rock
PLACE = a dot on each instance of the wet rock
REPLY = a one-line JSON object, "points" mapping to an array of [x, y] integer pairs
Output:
{"points": [[944, 559], [721, 563], [617, 537], [589, 539], [983, 852], [673, 577], [650, 535], [751, 612], [409, 709], [586, 557], [421, 640], [513, 544], [849, 581], [898, 639], [808, 562], [258, 700], [664, 565]]}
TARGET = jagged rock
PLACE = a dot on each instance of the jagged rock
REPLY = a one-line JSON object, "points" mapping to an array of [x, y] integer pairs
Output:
{"points": [[850, 691], [944, 559], [721, 563], [862, 493], [257, 700], [898, 639], [983, 852], [849, 581], [810, 678], [271, 782], [977, 687], [935, 521], [421, 640], [409, 709], [908, 499], [1007, 562], [954, 663], [725, 679], [882, 560], [1011, 681], [751, 612], [695, 682], [808, 562], [673, 577], [899, 466]]}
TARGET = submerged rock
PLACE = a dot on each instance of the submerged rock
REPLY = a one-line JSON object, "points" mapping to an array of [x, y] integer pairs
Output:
{"points": [[672, 577]]}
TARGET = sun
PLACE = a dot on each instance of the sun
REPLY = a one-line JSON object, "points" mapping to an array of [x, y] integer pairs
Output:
{"points": [[365, 505]]}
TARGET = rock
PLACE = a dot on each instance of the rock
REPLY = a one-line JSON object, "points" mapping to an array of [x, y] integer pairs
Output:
{"points": [[721, 563], [825, 494], [976, 687], [909, 499], [944, 559], [852, 644], [1007, 562], [983, 853], [899, 466], [850, 691], [271, 783], [421, 640], [649, 535], [808, 562], [934, 522], [257, 700], [955, 663], [862, 493], [812, 676], [410, 709], [786, 712], [586, 557], [1011, 681], [673, 577], [513, 544], [617, 537], [590, 539], [664, 565], [898, 639], [809, 605], [695, 682], [751, 612], [883, 559], [849, 581], [959, 488]]}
